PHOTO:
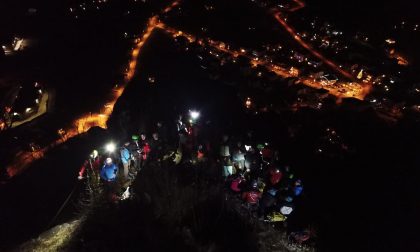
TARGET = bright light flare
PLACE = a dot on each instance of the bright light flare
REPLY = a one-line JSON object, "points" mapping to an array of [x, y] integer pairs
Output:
{"points": [[110, 147], [194, 114]]}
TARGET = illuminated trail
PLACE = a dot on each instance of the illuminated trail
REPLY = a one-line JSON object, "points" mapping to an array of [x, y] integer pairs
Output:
{"points": [[81, 125]]}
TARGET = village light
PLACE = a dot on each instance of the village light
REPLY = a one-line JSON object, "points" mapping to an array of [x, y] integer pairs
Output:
{"points": [[110, 147], [248, 103]]}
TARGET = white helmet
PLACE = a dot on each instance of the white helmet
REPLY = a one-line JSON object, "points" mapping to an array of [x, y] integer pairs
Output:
{"points": [[108, 161]]}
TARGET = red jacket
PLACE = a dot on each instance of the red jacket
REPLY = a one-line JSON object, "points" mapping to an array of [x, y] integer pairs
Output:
{"points": [[200, 154], [96, 164], [235, 185], [251, 197], [266, 153], [83, 168], [146, 151], [275, 177]]}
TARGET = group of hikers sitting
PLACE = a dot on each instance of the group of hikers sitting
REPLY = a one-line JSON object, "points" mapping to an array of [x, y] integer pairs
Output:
{"points": [[268, 189], [254, 172]]}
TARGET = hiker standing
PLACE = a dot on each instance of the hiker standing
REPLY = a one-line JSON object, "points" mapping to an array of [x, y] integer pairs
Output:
{"points": [[125, 159]]}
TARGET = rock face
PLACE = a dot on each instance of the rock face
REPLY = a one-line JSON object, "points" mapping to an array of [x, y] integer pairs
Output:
{"points": [[54, 239], [175, 207], [34, 198]]}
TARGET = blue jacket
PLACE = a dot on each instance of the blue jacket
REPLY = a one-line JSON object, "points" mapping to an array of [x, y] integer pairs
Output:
{"points": [[109, 172], [272, 192], [298, 190], [125, 155]]}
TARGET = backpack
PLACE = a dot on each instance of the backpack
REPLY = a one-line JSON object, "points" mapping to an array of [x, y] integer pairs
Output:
{"points": [[272, 192], [286, 210], [276, 217]]}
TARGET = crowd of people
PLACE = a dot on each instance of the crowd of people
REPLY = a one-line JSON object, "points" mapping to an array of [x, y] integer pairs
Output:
{"points": [[114, 166], [253, 172], [130, 157], [267, 187]]}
